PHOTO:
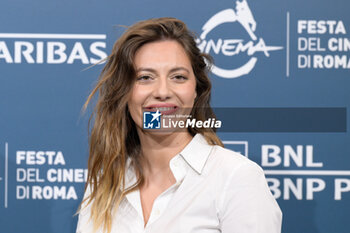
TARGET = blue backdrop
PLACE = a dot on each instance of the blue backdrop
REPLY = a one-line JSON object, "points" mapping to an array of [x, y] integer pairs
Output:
{"points": [[289, 56]]}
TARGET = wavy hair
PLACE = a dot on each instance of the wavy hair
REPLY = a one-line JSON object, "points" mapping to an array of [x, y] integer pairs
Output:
{"points": [[113, 137]]}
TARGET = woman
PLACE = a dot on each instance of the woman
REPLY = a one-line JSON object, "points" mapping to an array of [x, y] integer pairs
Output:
{"points": [[165, 181]]}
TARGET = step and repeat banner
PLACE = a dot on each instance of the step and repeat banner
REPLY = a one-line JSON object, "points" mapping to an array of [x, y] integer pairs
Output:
{"points": [[281, 68]]}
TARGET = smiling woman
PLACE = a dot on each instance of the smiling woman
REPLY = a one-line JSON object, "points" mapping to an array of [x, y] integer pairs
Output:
{"points": [[165, 80], [173, 181]]}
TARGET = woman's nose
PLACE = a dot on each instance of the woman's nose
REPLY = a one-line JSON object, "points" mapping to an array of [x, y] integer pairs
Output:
{"points": [[162, 90]]}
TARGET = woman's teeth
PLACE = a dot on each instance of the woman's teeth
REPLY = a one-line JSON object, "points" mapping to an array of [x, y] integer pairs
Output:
{"points": [[163, 109]]}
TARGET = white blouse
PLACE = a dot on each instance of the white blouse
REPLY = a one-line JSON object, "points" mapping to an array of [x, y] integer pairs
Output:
{"points": [[216, 190]]}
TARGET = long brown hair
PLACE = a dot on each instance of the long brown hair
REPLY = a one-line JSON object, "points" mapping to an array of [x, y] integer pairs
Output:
{"points": [[113, 138]]}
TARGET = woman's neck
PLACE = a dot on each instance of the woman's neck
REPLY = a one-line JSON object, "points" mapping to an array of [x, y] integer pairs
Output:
{"points": [[157, 150]]}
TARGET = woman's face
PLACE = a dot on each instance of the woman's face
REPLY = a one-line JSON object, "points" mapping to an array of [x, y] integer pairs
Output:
{"points": [[164, 80]]}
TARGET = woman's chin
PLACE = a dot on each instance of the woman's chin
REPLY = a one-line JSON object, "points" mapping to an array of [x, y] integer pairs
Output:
{"points": [[163, 132]]}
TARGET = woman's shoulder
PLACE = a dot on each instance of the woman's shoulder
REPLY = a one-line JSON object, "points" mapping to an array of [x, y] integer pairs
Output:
{"points": [[243, 194], [229, 156], [230, 161]]}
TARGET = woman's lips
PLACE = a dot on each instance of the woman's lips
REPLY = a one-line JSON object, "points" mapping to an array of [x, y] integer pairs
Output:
{"points": [[164, 109]]}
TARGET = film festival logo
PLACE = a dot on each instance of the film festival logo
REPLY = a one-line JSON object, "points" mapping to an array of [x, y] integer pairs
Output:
{"points": [[233, 47]]}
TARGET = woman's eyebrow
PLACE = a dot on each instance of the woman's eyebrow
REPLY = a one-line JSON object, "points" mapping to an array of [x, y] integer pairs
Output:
{"points": [[172, 70], [146, 69], [179, 69]]}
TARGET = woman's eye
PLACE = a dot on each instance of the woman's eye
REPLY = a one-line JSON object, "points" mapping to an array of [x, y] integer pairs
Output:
{"points": [[144, 78], [180, 77]]}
